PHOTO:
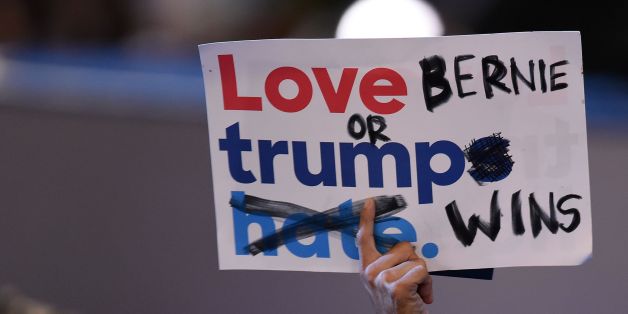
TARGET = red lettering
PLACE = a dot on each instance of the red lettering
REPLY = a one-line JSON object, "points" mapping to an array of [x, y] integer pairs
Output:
{"points": [[230, 89], [336, 97], [303, 97], [368, 90], [336, 100]]}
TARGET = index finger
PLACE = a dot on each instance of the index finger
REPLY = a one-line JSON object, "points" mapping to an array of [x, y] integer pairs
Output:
{"points": [[365, 241]]}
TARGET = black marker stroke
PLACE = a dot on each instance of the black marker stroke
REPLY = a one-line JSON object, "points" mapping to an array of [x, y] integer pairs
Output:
{"points": [[330, 220], [466, 234]]}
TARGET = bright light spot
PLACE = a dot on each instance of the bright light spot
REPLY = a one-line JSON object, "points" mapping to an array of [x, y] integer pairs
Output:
{"points": [[389, 19]]}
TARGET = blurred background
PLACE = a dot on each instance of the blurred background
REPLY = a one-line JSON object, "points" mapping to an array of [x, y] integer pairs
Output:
{"points": [[105, 203]]}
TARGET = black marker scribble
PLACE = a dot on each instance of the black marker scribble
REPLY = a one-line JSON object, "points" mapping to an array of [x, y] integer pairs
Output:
{"points": [[489, 158], [329, 220]]}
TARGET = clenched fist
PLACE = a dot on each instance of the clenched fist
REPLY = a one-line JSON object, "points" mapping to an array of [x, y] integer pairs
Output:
{"points": [[398, 281]]}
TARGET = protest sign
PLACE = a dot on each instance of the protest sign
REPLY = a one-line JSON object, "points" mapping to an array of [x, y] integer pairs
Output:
{"points": [[475, 148]]}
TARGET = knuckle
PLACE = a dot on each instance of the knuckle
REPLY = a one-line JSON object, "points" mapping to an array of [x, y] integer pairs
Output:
{"points": [[420, 270], [404, 245], [360, 237], [405, 248], [414, 265], [398, 292], [370, 275], [385, 277]]}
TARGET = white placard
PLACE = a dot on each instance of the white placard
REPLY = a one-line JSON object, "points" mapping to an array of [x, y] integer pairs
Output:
{"points": [[488, 126]]}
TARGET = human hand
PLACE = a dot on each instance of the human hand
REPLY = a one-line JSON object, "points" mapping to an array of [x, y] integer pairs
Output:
{"points": [[398, 281]]}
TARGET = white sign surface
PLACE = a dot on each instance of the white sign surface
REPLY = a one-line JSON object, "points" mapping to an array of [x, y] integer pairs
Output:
{"points": [[476, 144]]}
